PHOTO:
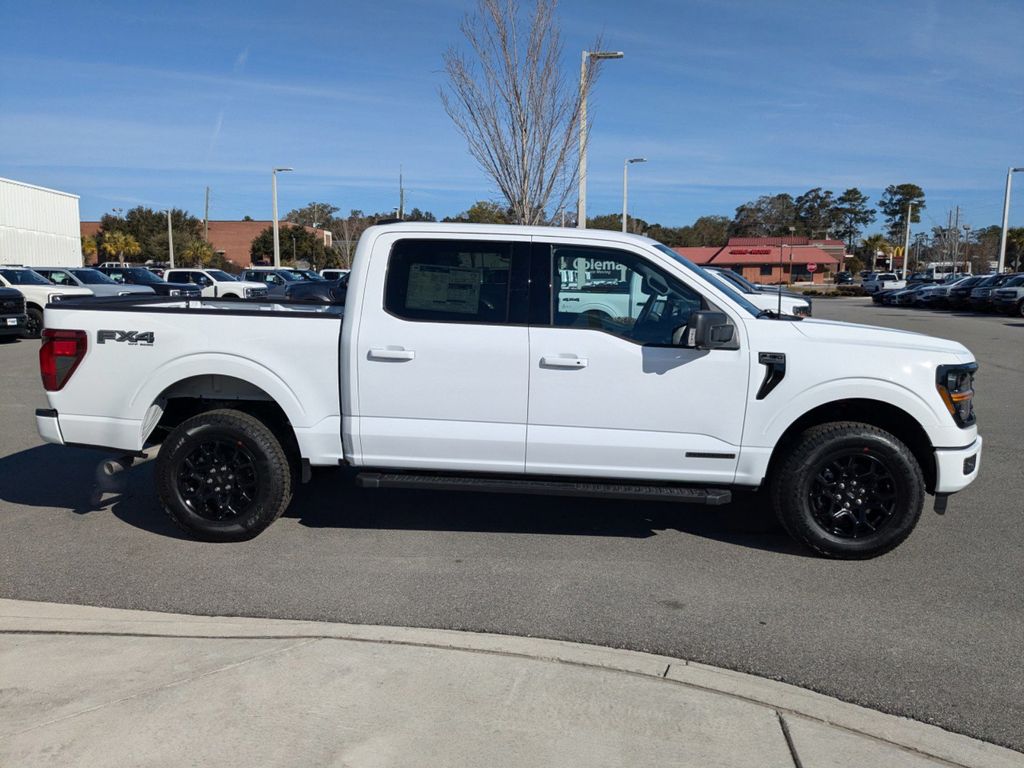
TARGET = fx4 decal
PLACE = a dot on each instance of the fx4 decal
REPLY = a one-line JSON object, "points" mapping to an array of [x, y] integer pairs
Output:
{"points": [[134, 338]]}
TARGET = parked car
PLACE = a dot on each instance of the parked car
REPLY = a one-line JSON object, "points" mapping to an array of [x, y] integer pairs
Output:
{"points": [[38, 292], [13, 319], [883, 281], [275, 279], [93, 279], [844, 278], [216, 283], [937, 296], [1009, 297], [142, 276], [960, 295], [458, 366], [908, 297], [333, 274], [981, 294], [788, 303], [330, 293]]}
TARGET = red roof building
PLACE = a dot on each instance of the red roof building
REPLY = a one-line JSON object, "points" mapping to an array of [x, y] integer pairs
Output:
{"points": [[771, 259]]}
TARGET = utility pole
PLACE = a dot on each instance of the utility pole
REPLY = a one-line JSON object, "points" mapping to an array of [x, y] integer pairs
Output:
{"points": [[206, 217], [967, 245], [625, 186], [1006, 219], [906, 240], [170, 240], [956, 240], [401, 195], [277, 237]]}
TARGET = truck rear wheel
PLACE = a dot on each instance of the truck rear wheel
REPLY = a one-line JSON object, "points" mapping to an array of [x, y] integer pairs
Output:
{"points": [[223, 476], [848, 490]]}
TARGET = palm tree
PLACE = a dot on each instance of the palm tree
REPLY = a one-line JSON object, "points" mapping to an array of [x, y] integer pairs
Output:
{"points": [[89, 249], [120, 244], [875, 244], [197, 253]]}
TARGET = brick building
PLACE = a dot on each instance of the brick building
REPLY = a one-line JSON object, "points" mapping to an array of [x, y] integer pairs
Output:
{"points": [[233, 239]]}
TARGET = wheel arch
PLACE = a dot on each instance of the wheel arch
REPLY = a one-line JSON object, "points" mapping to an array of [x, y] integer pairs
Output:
{"points": [[877, 413]]}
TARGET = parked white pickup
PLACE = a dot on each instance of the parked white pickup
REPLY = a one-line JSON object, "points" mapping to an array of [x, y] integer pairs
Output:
{"points": [[462, 362]]}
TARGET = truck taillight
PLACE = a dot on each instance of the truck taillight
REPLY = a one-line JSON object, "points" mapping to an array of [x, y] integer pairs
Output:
{"points": [[59, 356]]}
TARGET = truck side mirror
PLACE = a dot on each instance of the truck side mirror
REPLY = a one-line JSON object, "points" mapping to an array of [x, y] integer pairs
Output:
{"points": [[707, 330]]}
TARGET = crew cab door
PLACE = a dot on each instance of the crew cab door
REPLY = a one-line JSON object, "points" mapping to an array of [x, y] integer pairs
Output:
{"points": [[611, 396], [441, 355]]}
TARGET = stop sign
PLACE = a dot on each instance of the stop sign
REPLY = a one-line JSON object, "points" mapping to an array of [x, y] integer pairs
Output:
{"points": [[812, 267]]}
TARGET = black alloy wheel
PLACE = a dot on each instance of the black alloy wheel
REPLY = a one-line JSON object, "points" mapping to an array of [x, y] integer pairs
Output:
{"points": [[853, 494], [33, 323], [847, 490], [218, 480], [223, 475]]}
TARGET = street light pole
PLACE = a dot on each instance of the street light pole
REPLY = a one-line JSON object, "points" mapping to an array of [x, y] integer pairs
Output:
{"points": [[625, 185], [584, 87], [277, 239], [170, 240], [1006, 220]]}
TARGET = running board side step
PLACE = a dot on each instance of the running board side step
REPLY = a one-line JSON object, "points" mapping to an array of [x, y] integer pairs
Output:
{"points": [[547, 487]]}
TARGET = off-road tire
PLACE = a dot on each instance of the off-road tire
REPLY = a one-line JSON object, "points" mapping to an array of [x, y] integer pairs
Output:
{"points": [[793, 484], [263, 461]]}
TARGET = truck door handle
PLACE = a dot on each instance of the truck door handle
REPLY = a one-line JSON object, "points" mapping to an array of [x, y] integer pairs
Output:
{"points": [[380, 353], [553, 361]]}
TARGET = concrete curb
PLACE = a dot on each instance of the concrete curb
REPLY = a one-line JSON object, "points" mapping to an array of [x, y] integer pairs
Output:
{"points": [[24, 617]]}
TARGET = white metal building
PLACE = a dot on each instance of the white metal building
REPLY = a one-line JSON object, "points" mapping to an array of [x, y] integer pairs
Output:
{"points": [[38, 226]]}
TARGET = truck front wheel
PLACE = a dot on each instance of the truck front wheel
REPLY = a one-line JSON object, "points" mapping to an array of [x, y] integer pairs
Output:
{"points": [[848, 490], [223, 476]]}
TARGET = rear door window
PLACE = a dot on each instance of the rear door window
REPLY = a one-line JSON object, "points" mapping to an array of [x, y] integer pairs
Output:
{"points": [[457, 281]]}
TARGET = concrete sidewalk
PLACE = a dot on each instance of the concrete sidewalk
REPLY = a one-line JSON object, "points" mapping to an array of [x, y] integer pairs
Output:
{"points": [[83, 686]]}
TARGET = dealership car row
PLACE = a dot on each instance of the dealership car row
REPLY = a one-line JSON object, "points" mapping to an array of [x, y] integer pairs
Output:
{"points": [[977, 293], [25, 291]]}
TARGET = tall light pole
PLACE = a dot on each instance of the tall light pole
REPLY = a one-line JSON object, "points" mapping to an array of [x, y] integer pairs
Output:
{"points": [[1006, 219], [277, 239], [625, 185], [584, 87], [170, 240]]}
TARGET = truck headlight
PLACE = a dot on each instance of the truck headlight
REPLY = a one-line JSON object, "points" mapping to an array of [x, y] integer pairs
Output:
{"points": [[174, 292], [956, 387], [55, 297]]}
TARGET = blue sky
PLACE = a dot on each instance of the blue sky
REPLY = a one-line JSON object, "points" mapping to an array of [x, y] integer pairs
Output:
{"points": [[147, 103]]}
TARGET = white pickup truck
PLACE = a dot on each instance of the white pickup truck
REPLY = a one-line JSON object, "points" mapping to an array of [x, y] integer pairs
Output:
{"points": [[458, 365], [882, 281]]}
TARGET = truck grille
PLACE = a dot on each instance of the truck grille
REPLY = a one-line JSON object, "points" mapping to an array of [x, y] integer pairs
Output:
{"points": [[1005, 294], [12, 306]]}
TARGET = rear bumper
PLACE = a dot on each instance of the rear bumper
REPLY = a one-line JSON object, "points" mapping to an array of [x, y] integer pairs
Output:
{"points": [[956, 468], [49, 426], [17, 328]]}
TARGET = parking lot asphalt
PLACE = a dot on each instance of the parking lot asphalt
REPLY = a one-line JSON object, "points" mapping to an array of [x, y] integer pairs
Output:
{"points": [[931, 631]]}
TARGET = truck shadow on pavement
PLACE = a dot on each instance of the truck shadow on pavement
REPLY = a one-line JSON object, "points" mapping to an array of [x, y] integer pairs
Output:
{"points": [[331, 500], [55, 477]]}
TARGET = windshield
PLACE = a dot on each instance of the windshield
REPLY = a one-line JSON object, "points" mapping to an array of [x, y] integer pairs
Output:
{"points": [[742, 284], [221, 276], [738, 298], [1014, 282], [142, 276], [23, 277], [92, 277], [289, 276], [310, 274]]}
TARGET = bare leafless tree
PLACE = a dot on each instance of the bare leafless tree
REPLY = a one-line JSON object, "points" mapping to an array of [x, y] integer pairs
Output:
{"points": [[510, 98]]}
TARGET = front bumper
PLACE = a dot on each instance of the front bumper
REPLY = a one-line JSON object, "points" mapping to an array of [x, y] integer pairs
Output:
{"points": [[956, 468], [48, 426]]}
